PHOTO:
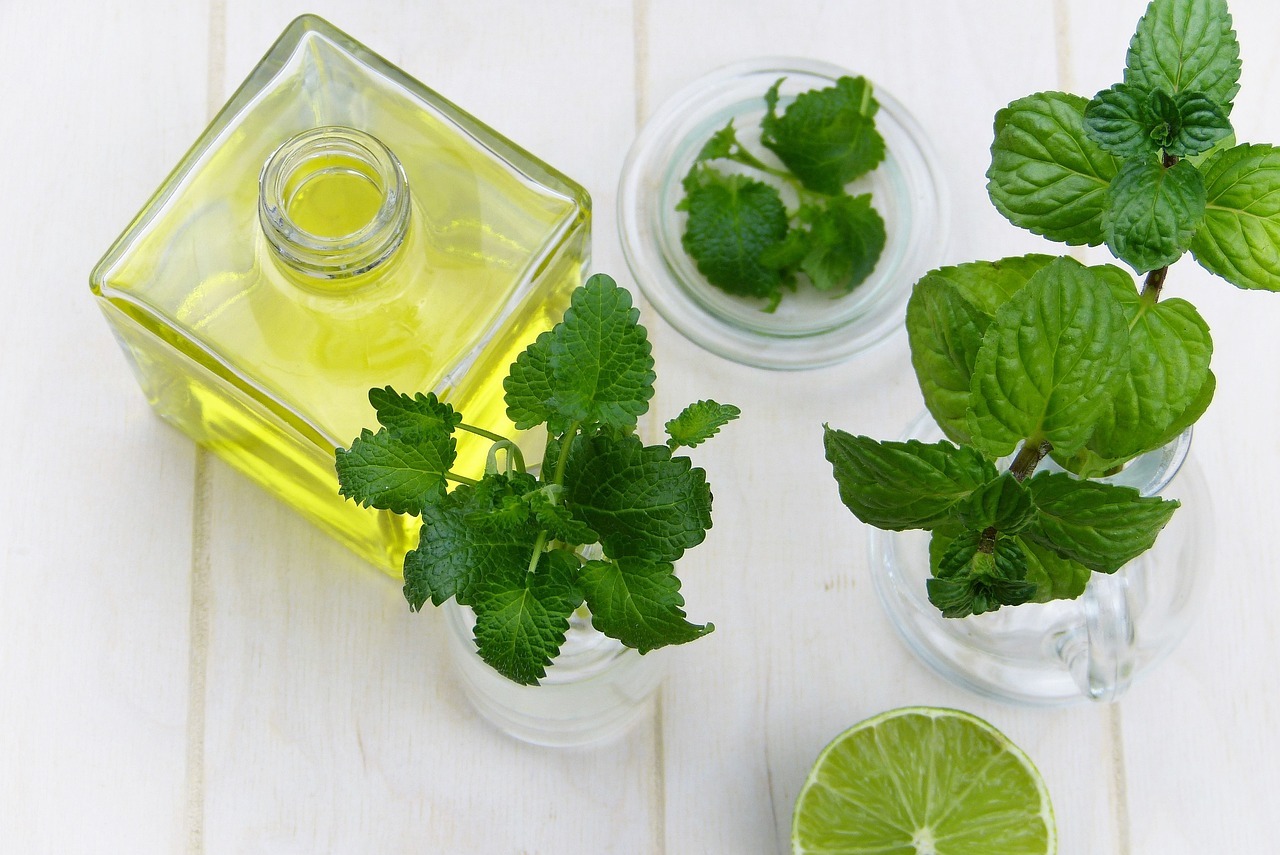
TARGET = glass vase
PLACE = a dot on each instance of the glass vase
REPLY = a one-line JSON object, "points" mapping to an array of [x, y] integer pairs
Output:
{"points": [[593, 692], [1064, 651], [338, 227]]}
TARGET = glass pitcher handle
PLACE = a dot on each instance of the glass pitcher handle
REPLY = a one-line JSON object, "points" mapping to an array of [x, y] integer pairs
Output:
{"points": [[1101, 653]]}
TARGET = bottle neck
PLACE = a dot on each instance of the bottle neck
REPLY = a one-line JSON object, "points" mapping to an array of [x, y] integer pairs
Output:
{"points": [[333, 203]]}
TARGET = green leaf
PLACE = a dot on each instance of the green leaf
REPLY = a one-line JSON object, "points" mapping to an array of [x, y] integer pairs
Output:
{"points": [[1153, 212], [1186, 46], [846, 238], [559, 521], [1046, 175], [394, 473], [732, 221], [827, 137], [945, 333], [974, 582], [721, 145], [521, 622], [643, 502], [457, 550], [988, 285], [1048, 362], [903, 485], [1201, 125], [1240, 237], [529, 388], [594, 367], [1102, 526], [1169, 352], [1119, 120], [698, 422], [413, 415], [1055, 577], [1003, 504], [638, 602]]}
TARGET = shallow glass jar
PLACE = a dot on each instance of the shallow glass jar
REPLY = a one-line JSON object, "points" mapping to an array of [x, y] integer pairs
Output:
{"points": [[594, 691], [809, 328], [1065, 651], [338, 227]]}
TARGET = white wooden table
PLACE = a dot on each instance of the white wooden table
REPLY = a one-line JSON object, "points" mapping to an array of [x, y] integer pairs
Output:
{"points": [[187, 666]]}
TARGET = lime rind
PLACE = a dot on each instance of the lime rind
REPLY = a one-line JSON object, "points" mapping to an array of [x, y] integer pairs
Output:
{"points": [[923, 781]]}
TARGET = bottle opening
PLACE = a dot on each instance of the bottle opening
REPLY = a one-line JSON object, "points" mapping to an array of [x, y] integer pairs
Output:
{"points": [[333, 202]]}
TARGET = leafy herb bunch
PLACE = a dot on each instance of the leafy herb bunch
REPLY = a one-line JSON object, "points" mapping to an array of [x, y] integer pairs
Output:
{"points": [[740, 232], [510, 544], [1047, 357]]}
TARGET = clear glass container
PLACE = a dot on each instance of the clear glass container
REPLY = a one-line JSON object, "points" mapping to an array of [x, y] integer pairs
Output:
{"points": [[593, 692], [337, 227], [1064, 651], [809, 328]]}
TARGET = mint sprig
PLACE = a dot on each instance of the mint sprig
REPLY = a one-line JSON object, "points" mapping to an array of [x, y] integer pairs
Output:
{"points": [[741, 233], [511, 544], [1029, 358]]}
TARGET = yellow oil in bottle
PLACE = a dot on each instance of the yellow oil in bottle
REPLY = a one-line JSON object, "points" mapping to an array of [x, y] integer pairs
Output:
{"points": [[255, 355]]}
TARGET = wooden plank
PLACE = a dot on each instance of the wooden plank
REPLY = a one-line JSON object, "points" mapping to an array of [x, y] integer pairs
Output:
{"points": [[95, 537], [1198, 753], [334, 722], [802, 649]]}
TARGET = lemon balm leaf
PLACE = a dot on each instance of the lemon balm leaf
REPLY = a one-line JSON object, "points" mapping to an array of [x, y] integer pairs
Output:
{"points": [[643, 502], [387, 471], [698, 422], [521, 621], [845, 240], [638, 602], [826, 137]]}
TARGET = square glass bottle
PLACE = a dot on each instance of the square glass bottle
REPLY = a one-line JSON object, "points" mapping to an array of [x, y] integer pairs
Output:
{"points": [[338, 226]]}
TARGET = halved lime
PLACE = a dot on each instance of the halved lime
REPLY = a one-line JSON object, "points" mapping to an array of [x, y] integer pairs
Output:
{"points": [[923, 781]]}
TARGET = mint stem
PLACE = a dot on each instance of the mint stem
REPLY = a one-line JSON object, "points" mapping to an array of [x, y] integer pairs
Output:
{"points": [[1029, 457], [461, 479], [566, 442], [1154, 282], [478, 431]]}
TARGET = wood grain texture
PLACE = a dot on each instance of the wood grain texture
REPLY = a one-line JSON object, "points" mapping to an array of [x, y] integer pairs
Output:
{"points": [[186, 665]]}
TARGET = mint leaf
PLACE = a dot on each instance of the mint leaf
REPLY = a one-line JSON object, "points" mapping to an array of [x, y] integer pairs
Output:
{"points": [[1120, 122], [394, 473], [643, 502], [1003, 504], [521, 621], [1153, 212], [945, 333], [1055, 577], [410, 415], [593, 367], [972, 582], [529, 388], [638, 602], [1099, 525], [1046, 175], [457, 549], [1201, 125], [732, 221], [903, 485], [1048, 362], [1169, 352], [827, 137], [721, 145], [845, 241], [1240, 237], [1186, 46], [988, 285], [698, 422]]}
